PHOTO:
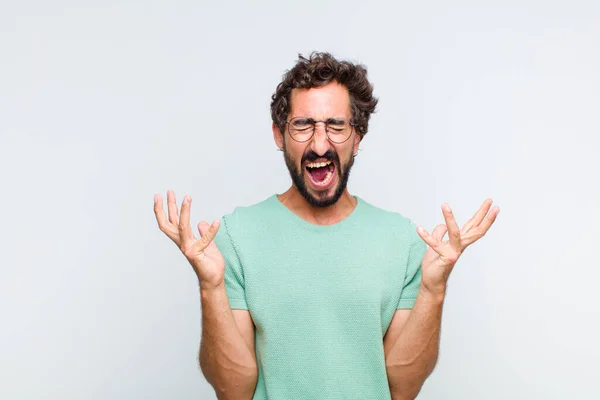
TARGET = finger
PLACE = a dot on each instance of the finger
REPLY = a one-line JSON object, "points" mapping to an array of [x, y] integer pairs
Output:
{"points": [[479, 231], [165, 226], [453, 229], [439, 232], [208, 235], [185, 230], [172, 206], [203, 227], [159, 212], [430, 240], [478, 217]]}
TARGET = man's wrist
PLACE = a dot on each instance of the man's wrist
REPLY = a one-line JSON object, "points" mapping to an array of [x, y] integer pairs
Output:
{"points": [[208, 287], [436, 296]]}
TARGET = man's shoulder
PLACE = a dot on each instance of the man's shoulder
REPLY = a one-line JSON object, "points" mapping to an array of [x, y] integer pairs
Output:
{"points": [[387, 218], [251, 213]]}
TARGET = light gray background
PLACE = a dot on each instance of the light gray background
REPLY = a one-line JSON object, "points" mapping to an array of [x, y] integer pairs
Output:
{"points": [[104, 104]]}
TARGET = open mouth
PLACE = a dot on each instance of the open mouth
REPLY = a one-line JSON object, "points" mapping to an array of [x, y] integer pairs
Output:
{"points": [[321, 173]]}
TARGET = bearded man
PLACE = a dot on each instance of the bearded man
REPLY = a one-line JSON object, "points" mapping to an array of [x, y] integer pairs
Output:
{"points": [[314, 293]]}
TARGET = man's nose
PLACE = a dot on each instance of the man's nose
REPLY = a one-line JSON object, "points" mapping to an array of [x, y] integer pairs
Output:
{"points": [[320, 142]]}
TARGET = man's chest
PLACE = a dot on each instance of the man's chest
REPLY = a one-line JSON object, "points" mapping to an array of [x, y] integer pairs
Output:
{"points": [[317, 283]]}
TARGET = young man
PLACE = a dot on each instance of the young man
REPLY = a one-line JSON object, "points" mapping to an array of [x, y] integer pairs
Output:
{"points": [[315, 293]]}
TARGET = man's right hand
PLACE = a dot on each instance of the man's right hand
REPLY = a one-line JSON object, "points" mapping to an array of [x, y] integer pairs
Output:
{"points": [[202, 253]]}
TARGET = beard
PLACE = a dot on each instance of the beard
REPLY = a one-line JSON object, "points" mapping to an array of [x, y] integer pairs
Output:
{"points": [[298, 177]]}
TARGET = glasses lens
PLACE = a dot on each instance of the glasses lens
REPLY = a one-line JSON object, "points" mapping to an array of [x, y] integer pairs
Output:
{"points": [[301, 129], [338, 130]]}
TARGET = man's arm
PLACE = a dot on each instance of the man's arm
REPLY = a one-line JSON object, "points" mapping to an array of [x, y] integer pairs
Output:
{"points": [[227, 357], [412, 355]]}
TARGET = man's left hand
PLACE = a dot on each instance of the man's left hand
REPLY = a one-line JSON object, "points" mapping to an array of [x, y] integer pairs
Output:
{"points": [[442, 255]]}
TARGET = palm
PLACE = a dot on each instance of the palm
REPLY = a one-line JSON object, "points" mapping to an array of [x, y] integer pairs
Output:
{"points": [[209, 263], [433, 262]]}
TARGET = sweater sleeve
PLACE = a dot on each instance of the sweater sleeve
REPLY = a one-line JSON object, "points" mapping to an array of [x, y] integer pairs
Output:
{"points": [[412, 280], [234, 274]]}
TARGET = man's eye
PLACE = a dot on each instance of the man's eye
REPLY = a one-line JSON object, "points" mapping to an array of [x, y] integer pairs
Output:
{"points": [[337, 125]]}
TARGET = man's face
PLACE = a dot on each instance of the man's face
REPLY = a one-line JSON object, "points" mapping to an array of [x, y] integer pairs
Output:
{"points": [[321, 185]]}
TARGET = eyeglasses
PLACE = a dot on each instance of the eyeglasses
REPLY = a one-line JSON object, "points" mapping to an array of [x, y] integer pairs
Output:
{"points": [[302, 129]]}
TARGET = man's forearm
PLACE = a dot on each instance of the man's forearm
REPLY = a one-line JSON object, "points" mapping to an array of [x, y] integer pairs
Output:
{"points": [[414, 354], [225, 359]]}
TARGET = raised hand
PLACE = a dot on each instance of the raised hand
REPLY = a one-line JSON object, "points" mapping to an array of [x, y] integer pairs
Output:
{"points": [[440, 258], [202, 253]]}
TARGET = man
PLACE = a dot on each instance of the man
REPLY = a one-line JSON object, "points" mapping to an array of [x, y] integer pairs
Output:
{"points": [[315, 293]]}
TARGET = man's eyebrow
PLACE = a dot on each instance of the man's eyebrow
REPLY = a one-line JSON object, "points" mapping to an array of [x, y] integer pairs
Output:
{"points": [[301, 117]]}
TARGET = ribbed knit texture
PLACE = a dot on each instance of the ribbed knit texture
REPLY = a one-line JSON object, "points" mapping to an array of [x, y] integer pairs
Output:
{"points": [[321, 297]]}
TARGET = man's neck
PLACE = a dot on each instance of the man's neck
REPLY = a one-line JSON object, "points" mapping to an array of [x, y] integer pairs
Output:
{"points": [[333, 214]]}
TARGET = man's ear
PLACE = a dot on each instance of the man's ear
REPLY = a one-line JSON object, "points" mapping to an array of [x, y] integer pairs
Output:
{"points": [[277, 136], [357, 140]]}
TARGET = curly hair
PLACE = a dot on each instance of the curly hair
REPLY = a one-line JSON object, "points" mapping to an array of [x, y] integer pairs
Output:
{"points": [[318, 70]]}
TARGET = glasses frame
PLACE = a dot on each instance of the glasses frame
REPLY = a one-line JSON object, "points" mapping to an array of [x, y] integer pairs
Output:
{"points": [[326, 122]]}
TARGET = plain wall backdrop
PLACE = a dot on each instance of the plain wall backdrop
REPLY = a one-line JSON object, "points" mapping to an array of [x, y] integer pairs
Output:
{"points": [[104, 104]]}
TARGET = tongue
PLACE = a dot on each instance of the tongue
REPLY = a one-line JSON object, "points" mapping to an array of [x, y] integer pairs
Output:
{"points": [[319, 174]]}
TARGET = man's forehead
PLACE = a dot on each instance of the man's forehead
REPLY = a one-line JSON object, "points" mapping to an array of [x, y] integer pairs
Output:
{"points": [[320, 102]]}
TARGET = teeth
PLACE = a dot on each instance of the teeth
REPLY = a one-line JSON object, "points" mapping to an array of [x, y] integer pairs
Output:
{"points": [[318, 165]]}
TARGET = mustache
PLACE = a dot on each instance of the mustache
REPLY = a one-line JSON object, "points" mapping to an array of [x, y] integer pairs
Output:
{"points": [[330, 155]]}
